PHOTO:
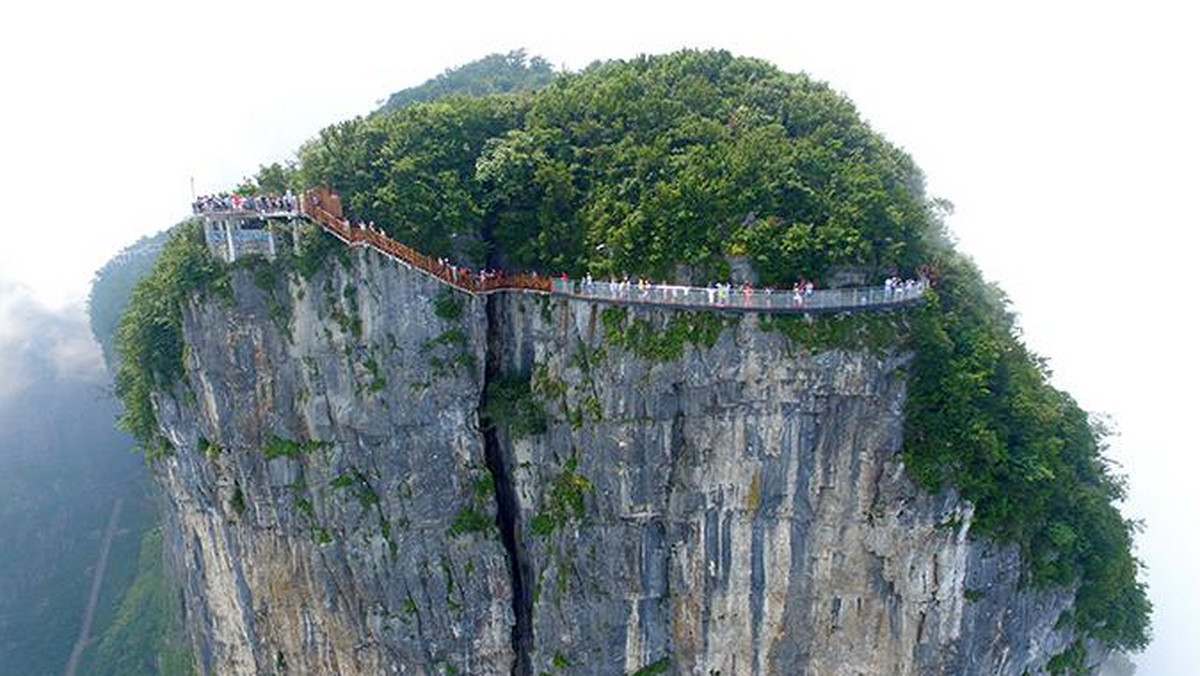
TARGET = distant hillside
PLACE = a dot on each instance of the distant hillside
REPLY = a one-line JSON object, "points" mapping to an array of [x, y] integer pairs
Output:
{"points": [[138, 629], [112, 285], [493, 74]]}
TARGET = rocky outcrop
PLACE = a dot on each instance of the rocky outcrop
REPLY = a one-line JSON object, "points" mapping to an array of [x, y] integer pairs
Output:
{"points": [[340, 504]]}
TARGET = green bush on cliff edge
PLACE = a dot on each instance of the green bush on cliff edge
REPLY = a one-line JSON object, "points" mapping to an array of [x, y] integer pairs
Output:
{"points": [[983, 419], [150, 336]]}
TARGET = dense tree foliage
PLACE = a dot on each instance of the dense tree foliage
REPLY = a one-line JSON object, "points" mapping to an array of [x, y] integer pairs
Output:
{"points": [[414, 171], [638, 167], [493, 74], [272, 179], [673, 165]]}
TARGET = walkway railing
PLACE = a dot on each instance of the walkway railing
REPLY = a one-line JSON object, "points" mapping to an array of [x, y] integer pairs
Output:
{"points": [[752, 300], [322, 207]]}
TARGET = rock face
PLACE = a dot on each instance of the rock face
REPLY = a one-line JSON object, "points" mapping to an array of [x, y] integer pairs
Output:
{"points": [[335, 557], [339, 505]]}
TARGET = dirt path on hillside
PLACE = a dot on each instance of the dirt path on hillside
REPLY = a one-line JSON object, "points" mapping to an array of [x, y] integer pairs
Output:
{"points": [[85, 631]]}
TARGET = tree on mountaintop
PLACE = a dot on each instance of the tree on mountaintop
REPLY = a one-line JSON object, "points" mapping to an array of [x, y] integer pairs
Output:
{"points": [[637, 166]]}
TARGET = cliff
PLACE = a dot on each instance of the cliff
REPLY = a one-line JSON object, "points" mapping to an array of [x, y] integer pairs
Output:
{"points": [[368, 475]]}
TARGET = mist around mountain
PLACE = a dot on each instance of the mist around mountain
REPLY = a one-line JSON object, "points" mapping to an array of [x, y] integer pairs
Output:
{"points": [[65, 472], [112, 285], [62, 469]]}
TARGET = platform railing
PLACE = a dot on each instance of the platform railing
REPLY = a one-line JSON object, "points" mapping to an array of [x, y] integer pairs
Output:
{"points": [[736, 298]]}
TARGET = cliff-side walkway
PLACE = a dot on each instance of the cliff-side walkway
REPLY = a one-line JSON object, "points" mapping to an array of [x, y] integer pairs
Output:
{"points": [[323, 207]]}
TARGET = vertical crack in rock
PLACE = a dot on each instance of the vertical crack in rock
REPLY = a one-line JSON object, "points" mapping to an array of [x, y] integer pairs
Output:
{"points": [[507, 509]]}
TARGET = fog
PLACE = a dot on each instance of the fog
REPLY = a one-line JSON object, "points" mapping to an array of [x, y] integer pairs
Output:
{"points": [[1065, 133], [62, 469], [40, 344]]}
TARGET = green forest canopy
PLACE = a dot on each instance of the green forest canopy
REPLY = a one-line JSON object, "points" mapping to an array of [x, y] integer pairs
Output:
{"points": [[672, 164], [637, 167]]}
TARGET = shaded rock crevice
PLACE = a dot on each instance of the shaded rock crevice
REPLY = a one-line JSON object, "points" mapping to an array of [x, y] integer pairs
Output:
{"points": [[508, 513]]}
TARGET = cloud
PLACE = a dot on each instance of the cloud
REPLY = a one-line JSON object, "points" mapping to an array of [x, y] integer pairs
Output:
{"points": [[40, 343]]}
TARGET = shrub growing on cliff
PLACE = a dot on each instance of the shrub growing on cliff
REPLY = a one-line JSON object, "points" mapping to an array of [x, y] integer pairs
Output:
{"points": [[563, 502], [665, 343], [278, 447], [509, 403], [471, 520], [150, 338], [448, 305], [655, 668], [983, 419]]}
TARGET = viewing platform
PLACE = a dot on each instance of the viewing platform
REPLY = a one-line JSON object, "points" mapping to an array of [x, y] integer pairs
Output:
{"points": [[233, 233]]}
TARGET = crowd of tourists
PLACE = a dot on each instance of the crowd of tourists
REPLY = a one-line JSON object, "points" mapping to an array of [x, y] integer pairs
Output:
{"points": [[897, 288], [718, 294], [287, 203], [477, 280], [743, 294]]}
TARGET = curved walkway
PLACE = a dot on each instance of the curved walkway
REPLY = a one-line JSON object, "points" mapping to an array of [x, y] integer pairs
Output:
{"points": [[321, 206]]}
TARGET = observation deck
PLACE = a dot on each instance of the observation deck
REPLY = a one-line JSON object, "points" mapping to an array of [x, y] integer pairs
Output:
{"points": [[233, 233]]}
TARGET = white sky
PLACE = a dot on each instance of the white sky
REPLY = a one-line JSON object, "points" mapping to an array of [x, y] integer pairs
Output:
{"points": [[1064, 132]]}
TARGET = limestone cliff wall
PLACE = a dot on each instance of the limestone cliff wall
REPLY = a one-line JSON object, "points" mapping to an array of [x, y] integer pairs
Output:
{"points": [[749, 514], [335, 558], [338, 506]]}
